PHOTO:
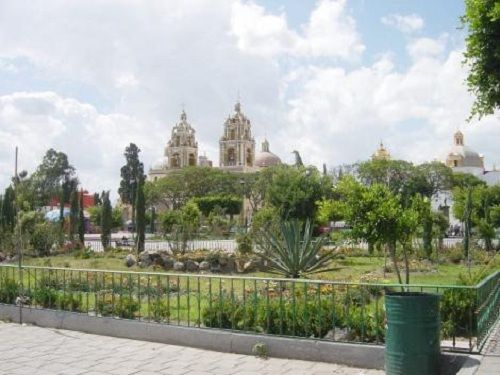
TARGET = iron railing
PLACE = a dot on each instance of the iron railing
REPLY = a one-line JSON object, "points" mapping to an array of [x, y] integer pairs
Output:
{"points": [[315, 309]]}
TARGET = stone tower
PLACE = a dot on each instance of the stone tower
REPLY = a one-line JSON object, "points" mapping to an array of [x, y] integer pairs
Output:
{"points": [[237, 146], [182, 148]]}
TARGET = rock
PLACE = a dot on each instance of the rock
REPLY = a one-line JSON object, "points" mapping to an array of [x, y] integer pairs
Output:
{"points": [[168, 263], [179, 266], [2, 257], [130, 260], [229, 266], [150, 257], [192, 266], [204, 266]]}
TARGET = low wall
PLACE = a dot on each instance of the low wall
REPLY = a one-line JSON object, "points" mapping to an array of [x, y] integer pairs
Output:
{"points": [[355, 355]]}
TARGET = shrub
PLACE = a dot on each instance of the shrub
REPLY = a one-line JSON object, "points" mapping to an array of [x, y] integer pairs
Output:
{"points": [[454, 254], [457, 312], [160, 311], [9, 290], [46, 297], [245, 245], [109, 304]]}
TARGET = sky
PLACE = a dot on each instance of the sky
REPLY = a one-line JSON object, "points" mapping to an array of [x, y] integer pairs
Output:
{"points": [[328, 78]]}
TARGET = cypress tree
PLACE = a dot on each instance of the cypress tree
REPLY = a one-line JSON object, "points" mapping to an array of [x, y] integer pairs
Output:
{"points": [[8, 210], [106, 219], [81, 221], [140, 206], [73, 214]]}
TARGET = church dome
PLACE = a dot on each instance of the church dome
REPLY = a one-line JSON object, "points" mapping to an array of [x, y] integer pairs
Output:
{"points": [[266, 158], [381, 153], [470, 158], [461, 156]]}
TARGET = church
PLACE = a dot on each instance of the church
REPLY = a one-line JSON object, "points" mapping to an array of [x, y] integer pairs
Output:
{"points": [[236, 148]]}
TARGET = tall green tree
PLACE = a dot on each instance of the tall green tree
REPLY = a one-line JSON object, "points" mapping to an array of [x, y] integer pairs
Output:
{"points": [[294, 191], [73, 214], [482, 55], [140, 205], [50, 176], [131, 173], [8, 213], [106, 220], [81, 220]]}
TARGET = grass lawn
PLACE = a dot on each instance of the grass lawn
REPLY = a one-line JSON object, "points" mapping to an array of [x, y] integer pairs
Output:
{"points": [[349, 269]]}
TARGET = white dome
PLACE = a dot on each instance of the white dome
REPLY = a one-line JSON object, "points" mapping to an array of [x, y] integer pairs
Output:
{"points": [[160, 164], [470, 157], [266, 159]]}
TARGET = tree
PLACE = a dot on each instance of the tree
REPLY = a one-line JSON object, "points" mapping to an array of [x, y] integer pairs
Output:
{"points": [[482, 55], [130, 173], [230, 205], [140, 206], [106, 220], [181, 185], [377, 215], [294, 191], [50, 176], [73, 214], [8, 213], [81, 220]]}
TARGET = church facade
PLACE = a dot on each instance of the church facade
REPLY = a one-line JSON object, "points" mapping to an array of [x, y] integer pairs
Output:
{"points": [[236, 148]]}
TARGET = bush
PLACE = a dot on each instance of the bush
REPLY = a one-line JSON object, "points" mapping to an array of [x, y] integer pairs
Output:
{"points": [[46, 297], [44, 235], [109, 304], [245, 244], [302, 318], [160, 311], [457, 312], [454, 254], [9, 290]]}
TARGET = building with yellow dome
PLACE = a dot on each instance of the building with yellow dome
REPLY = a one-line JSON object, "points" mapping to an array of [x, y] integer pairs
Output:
{"points": [[381, 153]]}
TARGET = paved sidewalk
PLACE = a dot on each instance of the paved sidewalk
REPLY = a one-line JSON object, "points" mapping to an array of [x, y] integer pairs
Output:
{"points": [[490, 364], [44, 351]]}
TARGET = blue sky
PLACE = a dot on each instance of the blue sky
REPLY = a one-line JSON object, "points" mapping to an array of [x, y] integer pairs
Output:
{"points": [[330, 78]]}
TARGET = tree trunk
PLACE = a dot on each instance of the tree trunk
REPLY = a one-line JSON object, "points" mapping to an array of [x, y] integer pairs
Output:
{"points": [[392, 252]]}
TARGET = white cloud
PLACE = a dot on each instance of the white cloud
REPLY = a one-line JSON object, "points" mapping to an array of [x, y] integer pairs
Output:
{"points": [[130, 66], [405, 23], [94, 142], [330, 32], [338, 116]]}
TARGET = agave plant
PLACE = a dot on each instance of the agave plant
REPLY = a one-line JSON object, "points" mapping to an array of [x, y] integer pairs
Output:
{"points": [[292, 251]]}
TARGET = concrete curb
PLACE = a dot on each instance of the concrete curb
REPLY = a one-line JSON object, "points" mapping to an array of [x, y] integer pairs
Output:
{"points": [[354, 355]]}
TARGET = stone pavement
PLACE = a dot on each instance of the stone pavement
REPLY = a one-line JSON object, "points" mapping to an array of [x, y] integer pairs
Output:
{"points": [[490, 364], [43, 351]]}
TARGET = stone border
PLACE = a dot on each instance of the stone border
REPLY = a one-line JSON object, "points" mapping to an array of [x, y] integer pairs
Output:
{"points": [[355, 355]]}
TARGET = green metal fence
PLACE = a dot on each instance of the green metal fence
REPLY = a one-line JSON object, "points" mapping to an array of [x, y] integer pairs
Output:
{"points": [[315, 309]]}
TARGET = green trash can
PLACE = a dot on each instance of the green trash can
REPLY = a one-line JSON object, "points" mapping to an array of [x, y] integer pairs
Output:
{"points": [[412, 344]]}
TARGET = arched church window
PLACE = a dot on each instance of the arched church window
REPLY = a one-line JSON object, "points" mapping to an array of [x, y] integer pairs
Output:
{"points": [[177, 141], [232, 134], [455, 163]]}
